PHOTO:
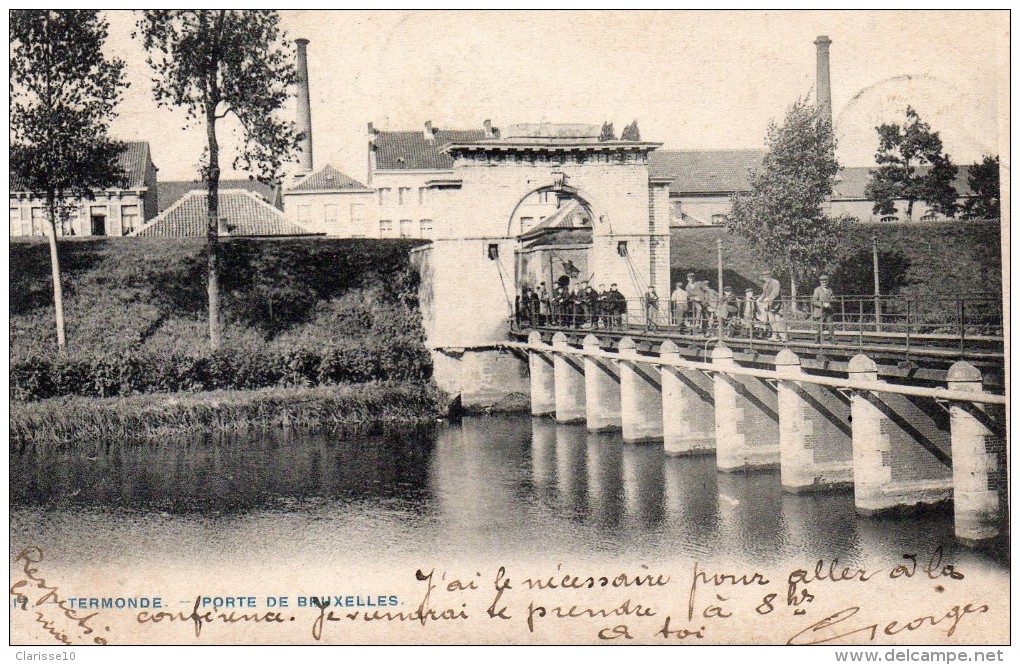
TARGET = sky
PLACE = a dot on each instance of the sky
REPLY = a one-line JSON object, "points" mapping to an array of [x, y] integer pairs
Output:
{"points": [[692, 80]]}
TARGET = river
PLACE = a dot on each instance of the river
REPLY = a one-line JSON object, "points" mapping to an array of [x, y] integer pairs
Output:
{"points": [[488, 489]]}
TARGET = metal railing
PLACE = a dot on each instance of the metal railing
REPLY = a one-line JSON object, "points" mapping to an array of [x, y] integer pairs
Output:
{"points": [[847, 320]]}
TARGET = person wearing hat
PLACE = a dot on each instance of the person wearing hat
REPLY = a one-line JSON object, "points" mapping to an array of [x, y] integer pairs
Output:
{"points": [[696, 302], [770, 302], [728, 305], [678, 305], [750, 310], [651, 308], [617, 305], [821, 307], [543, 304]]}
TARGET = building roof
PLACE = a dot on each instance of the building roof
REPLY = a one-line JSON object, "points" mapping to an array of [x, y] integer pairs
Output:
{"points": [[329, 179], [570, 215], [563, 236], [705, 171], [245, 213], [853, 180], [134, 159], [412, 151], [170, 192]]}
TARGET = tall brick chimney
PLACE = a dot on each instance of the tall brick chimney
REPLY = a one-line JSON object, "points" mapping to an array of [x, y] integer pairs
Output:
{"points": [[823, 93], [304, 107]]}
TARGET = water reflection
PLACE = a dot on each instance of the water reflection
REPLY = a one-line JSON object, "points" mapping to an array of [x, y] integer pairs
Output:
{"points": [[486, 485], [231, 472]]}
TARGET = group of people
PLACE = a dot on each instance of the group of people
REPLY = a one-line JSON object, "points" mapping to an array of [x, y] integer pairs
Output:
{"points": [[693, 307], [582, 307]]}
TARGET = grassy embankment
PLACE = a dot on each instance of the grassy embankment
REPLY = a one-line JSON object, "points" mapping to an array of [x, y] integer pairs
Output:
{"points": [[305, 316], [318, 333]]}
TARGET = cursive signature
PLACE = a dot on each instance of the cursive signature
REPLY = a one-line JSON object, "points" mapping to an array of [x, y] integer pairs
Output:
{"points": [[837, 626], [66, 626]]}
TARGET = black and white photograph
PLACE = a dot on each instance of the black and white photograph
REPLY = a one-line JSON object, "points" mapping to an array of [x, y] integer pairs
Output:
{"points": [[537, 327]]}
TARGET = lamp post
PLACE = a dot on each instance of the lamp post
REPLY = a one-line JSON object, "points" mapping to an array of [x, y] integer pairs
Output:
{"points": [[719, 300], [878, 292]]}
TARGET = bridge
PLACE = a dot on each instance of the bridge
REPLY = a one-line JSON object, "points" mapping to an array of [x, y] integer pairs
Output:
{"points": [[903, 400], [898, 443]]}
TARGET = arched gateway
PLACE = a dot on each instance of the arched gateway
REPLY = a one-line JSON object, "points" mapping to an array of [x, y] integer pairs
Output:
{"points": [[490, 239]]}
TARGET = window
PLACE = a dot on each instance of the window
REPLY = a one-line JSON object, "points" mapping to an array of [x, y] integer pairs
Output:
{"points": [[718, 220], [15, 221], [384, 196], [385, 227], [38, 222], [425, 228], [357, 220], [890, 218], [404, 196], [928, 216], [405, 228], [304, 214], [331, 215], [423, 195], [129, 218], [67, 223], [527, 223]]}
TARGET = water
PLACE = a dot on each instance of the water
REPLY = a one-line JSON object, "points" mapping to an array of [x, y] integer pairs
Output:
{"points": [[488, 487]]}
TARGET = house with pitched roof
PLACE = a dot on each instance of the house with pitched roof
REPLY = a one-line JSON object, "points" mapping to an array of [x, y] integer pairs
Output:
{"points": [[171, 191], [113, 212], [331, 202], [849, 198], [400, 166], [242, 213], [703, 181]]}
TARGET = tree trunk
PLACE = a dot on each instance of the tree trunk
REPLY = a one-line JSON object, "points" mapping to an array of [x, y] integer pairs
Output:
{"points": [[910, 209], [58, 291], [212, 231]]}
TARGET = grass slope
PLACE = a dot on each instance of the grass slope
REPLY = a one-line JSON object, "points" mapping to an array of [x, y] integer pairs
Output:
{"points": [[310, 310]]}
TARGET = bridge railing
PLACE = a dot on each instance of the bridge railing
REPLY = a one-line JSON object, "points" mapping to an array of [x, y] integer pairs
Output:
{"points": [[901, 320]]}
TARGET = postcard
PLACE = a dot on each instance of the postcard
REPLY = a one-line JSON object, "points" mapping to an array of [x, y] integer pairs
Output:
{"points": [[510, 328]]}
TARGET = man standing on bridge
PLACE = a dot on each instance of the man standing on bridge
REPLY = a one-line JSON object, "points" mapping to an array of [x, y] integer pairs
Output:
{"points": [[770, 302], [678, 305], [821, 307]]}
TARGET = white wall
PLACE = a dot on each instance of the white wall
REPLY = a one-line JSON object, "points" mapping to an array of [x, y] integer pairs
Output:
{"points": [[418, 203], [309, 210], [113, 205]]}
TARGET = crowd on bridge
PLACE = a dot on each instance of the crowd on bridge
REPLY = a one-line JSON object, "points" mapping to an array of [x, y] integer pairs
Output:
{"points": [[693, 308]]}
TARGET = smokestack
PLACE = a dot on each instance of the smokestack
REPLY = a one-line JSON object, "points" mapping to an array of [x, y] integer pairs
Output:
{"points": [[428, 131], [823, 94], [488, 129], [304, 107]]}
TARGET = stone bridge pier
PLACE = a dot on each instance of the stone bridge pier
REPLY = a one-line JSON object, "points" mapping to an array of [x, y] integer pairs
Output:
{"points": [[899, 446]]}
